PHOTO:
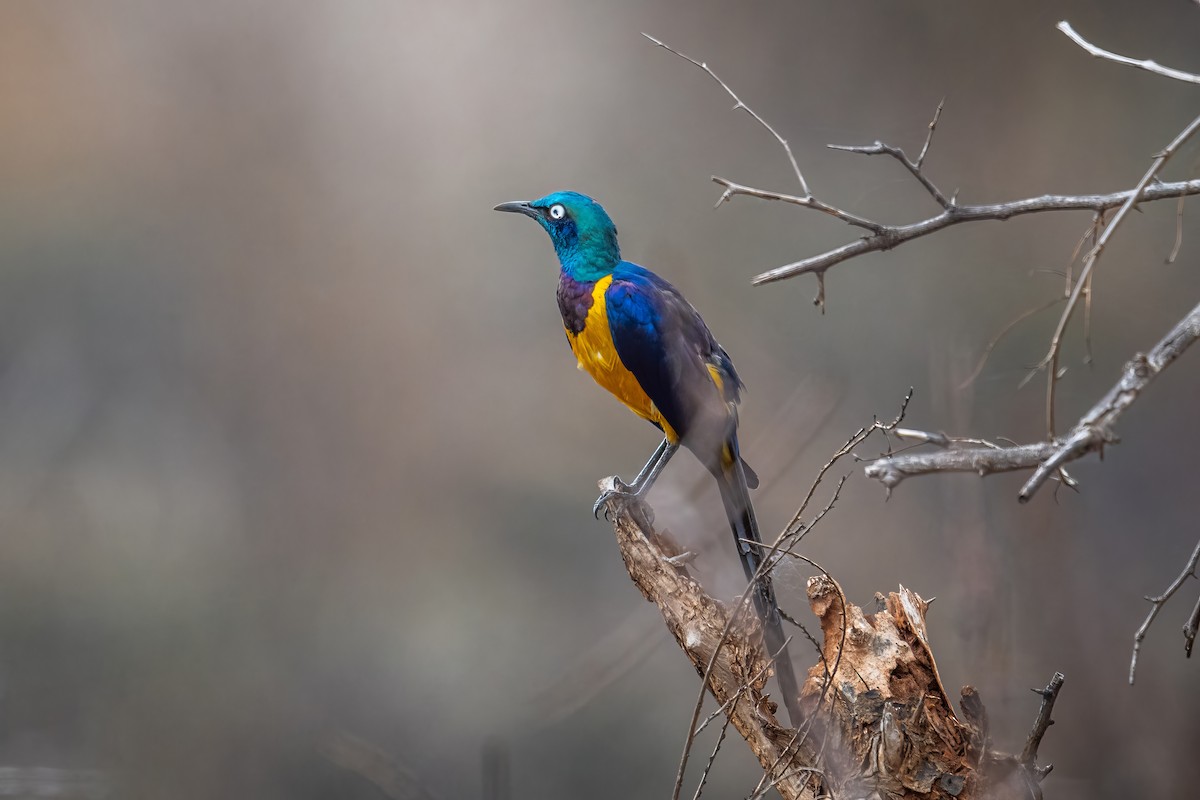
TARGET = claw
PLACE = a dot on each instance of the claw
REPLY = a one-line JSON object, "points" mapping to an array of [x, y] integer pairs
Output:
{"points": [[617, 489]]}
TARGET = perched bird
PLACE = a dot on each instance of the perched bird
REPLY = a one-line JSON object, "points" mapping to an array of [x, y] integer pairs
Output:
{"points": [[641, 340]]}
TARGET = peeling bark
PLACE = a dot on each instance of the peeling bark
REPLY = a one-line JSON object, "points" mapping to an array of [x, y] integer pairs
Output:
{"points": [[879, 721]]}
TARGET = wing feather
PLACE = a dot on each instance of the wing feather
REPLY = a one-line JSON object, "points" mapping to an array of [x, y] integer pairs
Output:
{"points": [[662, 340]]}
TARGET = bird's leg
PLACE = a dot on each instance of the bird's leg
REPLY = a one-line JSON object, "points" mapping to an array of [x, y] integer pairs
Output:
{"points": [[644, 480]]}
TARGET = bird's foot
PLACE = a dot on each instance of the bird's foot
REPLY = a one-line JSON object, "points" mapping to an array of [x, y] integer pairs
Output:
{"points": [[615, 493]]}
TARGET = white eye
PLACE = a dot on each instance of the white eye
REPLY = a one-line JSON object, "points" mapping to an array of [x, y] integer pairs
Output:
{"points": [[557, 211]]}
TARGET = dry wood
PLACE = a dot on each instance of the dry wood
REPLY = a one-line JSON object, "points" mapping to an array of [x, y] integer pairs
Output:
{"points": [[698, 623], [878, 720]]}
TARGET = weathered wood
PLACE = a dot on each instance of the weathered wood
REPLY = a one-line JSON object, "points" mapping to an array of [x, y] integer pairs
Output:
{"points": [[698, 623], [878, 721]]}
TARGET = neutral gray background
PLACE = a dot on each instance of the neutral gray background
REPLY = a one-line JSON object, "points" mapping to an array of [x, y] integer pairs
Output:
{"points": [[290, 439]]}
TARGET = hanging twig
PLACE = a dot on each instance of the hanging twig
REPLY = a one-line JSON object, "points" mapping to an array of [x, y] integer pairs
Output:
{"points": [[1156, 604], [1093, 431]]}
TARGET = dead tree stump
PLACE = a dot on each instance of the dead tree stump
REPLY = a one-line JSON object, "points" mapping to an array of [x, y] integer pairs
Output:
{"points": [[879, 725]]}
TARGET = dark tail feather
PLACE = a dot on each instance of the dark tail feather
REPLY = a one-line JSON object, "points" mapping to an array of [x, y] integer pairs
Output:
{"points": [[751, 475], [735, 494]]}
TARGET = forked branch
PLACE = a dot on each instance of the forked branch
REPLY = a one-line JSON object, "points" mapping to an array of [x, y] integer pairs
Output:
{"points": [[882, 236], [1156, 604], [1093, 431]]}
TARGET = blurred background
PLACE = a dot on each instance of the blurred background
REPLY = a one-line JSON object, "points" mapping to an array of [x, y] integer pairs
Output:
{"points": [[291, 443]]}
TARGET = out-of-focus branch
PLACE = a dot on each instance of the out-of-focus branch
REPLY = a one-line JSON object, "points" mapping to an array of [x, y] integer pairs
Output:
{"points": [[1093, 431], [357, 755], [1147, 64], [1156, 604]]}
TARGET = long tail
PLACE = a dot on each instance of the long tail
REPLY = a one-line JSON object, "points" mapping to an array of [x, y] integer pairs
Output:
{"points": [[735, 494]]}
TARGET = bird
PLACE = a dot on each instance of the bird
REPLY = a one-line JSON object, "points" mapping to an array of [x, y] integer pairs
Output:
{"points": [[640, 339]]}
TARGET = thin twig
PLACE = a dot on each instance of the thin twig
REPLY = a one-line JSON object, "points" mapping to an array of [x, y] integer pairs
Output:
{"points": [[739, 104], [1093, 431], [761, 790], [801, 734], [1089, 261], [394, 779], [881, 149], [699, 623], [784, 546], [1189, 629], [1178, 232], [1156, 604], [808, 201], [987, 351], [937, 114], [1148, 65], [733, 698], [742, 602], [712, 757], [767, 563], [854, 441], [1087, 321]]}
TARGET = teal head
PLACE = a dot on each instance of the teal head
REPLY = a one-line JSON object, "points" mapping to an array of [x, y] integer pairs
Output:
{"points": [[584, 237]]}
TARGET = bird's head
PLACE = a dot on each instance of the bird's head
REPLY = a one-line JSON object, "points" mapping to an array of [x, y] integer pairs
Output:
{"points": [[584, 237]]}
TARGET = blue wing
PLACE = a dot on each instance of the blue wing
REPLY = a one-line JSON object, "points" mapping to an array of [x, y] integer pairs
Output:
{"points": [[663, 342]]}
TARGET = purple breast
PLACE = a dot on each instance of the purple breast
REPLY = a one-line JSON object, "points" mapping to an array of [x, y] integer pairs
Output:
{"points": [[574, 301]]}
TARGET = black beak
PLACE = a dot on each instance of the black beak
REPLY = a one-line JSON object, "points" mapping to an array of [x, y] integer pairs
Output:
{"points": [[519, 207]]}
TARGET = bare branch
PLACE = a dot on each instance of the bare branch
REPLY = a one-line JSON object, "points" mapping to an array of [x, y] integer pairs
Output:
{"points": [[1093, 431], [987, 351], [808, 201], [937, 114], [857, 438], [1178, 233], [891, 470], [393, 779], [1190, 628], [1041, 724], [1148, 65], [712, 757], [893, 235], [879, 148], [739, 104], [1156, 604]]}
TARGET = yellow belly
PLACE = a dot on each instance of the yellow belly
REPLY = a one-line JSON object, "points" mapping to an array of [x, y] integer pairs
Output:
{"points": [[597, 356]]}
